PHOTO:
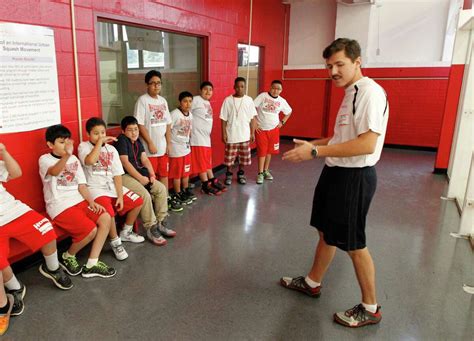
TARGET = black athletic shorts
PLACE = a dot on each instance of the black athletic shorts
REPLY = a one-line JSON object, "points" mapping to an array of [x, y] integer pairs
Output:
{"points": [[341, 201]]}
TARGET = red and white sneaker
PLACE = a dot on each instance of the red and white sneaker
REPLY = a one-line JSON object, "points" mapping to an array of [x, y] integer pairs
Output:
{"points": [[210, 190], [218, 185], [299, 284], [155, 236], [358, 316]]}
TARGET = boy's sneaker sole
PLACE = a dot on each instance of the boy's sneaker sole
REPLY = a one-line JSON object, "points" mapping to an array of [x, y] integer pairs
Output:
{"points": [[299, 284], [46, 274]]}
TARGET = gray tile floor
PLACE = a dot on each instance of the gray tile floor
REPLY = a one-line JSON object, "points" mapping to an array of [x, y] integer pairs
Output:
{"points": [[217, 280]]}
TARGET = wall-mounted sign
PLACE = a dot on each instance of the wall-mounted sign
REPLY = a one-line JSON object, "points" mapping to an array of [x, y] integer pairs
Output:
{"points": [[29, 97]]}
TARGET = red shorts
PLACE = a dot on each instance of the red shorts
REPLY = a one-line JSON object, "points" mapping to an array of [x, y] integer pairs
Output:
{"points": [[233, 149], [160, 165], [32, 229], [78, 221], [180, 167], [130, 201], [201, 159], [268, 142]]}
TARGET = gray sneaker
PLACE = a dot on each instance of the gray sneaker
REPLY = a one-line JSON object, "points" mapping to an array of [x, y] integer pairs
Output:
{"points": [[241, 177], [165, 230], [154, 235], [260, 178], [267, 175], [119, 251], [228, 178]]}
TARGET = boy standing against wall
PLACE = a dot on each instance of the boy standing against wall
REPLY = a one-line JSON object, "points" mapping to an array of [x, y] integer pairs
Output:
{"points": [[201, 151], [238, 130], [154, 122], [269, 105]]}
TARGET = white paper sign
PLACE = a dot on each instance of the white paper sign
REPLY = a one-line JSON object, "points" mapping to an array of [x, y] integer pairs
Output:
{"points": [[29, 97]]}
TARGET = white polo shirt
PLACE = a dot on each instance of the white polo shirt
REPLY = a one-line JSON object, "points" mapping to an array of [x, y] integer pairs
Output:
{"points": [[364, 107]]}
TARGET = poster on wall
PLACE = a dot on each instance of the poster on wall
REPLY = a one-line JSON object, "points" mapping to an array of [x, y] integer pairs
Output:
{"points": [[29, 97]]}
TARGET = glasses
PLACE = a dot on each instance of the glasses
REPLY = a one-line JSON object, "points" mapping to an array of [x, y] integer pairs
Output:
{"points": [[155, 83]]}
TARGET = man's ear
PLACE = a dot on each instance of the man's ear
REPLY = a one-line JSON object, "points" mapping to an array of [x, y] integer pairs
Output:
{"points": [[50, 145]]}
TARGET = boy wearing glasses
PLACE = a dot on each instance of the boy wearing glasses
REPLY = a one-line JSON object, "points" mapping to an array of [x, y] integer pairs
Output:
{"points": [[154, 123]]}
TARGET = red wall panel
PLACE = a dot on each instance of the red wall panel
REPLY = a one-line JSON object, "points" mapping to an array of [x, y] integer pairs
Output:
{"points": [[449, 117], [417, 99], [225, 23]]}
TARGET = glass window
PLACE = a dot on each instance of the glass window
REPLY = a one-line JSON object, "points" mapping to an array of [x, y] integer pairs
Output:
{"points": [[249, 61], [127, 53]]}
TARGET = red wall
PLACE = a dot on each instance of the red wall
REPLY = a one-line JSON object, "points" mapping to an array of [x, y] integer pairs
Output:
{"points": [[417, 99], [225, 23]]}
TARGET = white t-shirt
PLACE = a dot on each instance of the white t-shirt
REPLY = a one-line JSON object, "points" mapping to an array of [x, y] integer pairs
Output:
{"points": [[238, 112], [180, 133], [202, 122], [153, 113], [269, 109], [364, 108], [100, 176], [10, 208], [61, 192]]}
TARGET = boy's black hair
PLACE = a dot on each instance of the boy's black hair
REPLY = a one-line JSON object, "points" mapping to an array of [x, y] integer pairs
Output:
{"points": [[56, 132], [206, 83], [184, 94], [128, 121], [150, 74], [276, 81], [239, 79], [350, 47], [94, 122]]}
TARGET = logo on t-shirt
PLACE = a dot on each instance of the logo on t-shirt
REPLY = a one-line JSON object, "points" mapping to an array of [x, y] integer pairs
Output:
{"points": [[208, 108], [103, 164], [67, 180], [271, 105], [157, 114], [185, 128]]}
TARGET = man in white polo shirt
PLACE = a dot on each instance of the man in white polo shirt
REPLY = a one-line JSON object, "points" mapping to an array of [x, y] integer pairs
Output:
{"points": [[348, 181]]}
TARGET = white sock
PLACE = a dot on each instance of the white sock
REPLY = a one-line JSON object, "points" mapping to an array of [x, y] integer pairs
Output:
{"points": [[91, 262], [370, 307], [311, 283], [115, 242], [52, 262], [128, 228], [13, 284], [67, 255]]}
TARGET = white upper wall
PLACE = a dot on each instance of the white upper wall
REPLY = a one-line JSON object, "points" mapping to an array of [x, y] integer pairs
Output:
{"points": [[391, 32], [406, 31], [312, 26]]}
